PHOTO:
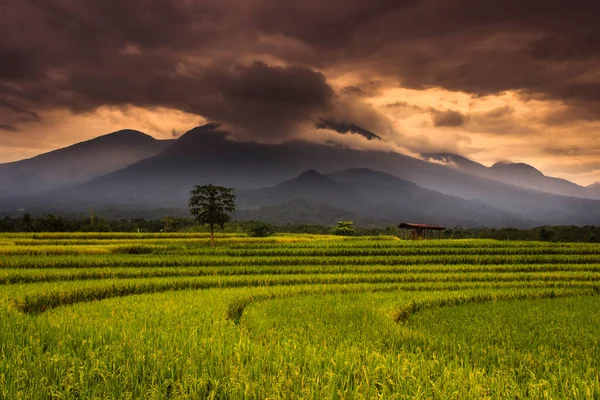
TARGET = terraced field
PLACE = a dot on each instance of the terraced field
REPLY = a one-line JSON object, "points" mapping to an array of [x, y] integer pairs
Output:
{"points": [[163, 316]]}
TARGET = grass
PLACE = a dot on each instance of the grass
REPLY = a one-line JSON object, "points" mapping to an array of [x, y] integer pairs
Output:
{"points": [[159, 316]]}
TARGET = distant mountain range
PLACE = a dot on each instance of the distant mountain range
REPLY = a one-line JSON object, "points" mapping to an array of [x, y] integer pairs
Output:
{"points": [[280, 183], [370, 197], [77, 163], [518, 174]]}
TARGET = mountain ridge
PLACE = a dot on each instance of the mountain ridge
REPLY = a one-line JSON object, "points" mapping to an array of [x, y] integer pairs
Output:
{"points": [[205, 155], [517, 174], [77, 163]]}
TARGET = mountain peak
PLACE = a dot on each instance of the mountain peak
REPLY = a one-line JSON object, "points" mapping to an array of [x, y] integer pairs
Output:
{"points": [[202, 132], [211, 126], [127, 132], [311, 174], [520, 168], [124, 135], [199, 140], [309, 179]]}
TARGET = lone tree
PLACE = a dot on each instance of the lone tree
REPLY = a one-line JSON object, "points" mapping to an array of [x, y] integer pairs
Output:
{"points": [[210, 206], [343, 228]]}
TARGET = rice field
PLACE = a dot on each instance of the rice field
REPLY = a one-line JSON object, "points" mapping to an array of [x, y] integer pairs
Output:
{"points": [[164, 316]]}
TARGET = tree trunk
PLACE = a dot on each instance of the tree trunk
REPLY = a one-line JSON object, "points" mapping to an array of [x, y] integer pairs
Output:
{"points": [[212, 236]]}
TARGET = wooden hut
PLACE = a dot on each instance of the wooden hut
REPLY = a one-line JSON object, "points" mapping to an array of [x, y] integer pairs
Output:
{"points": [[423, 231]]}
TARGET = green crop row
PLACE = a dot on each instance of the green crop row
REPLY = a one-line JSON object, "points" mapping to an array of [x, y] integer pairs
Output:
{"points": [[174, 235], [296, 241], [292, 252], [48, 299], [407, 310], [20, 275], [95, 261], [402, 251]]}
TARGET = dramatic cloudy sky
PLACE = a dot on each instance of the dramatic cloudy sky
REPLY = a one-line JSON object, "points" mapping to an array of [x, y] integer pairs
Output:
{"points": [[492, 80]]}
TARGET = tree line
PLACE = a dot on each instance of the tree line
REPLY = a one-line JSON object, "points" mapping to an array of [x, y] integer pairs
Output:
{"points": [[211, 205], [87, 223]]}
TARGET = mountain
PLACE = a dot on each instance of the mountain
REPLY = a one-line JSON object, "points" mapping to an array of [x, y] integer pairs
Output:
{"points": [[206, 155], [516, 169], [77, 163], [303, 212], [310, 186], [517, 174], [525, 175], [375, 198], [594, 190]]}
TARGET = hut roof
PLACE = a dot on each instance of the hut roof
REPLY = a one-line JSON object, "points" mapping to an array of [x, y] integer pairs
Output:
{"points": [[408, 225]]}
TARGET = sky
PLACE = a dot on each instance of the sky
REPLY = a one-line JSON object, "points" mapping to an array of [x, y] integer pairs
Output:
{"points": [[493, 80]]}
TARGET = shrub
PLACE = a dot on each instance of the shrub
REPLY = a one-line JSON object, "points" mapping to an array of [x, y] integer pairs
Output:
{"points": [[261, 230], [546, 235]]}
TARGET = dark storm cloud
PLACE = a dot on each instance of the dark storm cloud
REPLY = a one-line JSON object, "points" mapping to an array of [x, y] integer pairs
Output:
{"points": [[582, 44], [9, 128], [257, 99], [449, 118], [94, 65], [29, 115], [323, 24], [17, 63], [174, 24], [354, 91], [199, 55], [481, 47], [346, 127], [440, 118], [266, 100], [500, 112]]}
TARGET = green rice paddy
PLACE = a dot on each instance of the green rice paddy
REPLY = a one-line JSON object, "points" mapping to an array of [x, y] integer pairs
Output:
{"points": [[164, 316]]}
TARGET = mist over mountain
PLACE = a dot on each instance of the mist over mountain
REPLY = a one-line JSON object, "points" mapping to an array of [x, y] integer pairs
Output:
{"points": [[77, 163], [281, 181]]}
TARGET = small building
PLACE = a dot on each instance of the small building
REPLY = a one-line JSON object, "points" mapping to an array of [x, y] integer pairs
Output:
{"points": [[423, 231]]}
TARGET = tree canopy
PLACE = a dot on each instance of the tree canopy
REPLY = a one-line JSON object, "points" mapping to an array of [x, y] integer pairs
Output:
{"points": [[210, 205]]}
